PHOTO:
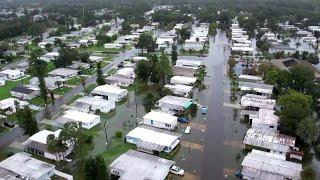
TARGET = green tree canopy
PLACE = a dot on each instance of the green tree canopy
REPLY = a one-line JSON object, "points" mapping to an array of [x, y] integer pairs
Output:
{"points": [[299, 75], [307, 130], [147, 42]]}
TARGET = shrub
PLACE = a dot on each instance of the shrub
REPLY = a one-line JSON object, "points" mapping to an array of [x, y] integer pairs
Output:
{"points": [[118, 134]]}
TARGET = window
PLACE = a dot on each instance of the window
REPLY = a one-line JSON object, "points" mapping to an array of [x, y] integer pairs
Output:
{"points": [[271, 127], [168, 125]]}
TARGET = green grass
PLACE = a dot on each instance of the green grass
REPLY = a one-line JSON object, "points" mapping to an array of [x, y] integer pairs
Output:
{"points": [[115, 149], [75, 81], [89, 88], [5, 90], [62, 90], [112, 71], [107, 115], [38, 101]]}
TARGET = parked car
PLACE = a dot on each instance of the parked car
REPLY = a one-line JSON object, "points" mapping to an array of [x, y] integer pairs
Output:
{"points": [[176, 170], [188, 129], [183, 119], [8, 124], [204, 109]]}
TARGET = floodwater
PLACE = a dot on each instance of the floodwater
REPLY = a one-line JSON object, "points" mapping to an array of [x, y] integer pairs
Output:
{"points": [[209, 152]]}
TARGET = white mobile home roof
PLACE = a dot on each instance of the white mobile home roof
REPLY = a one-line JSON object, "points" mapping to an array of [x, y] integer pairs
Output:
{"points": [[11, 72], [9, 102], [41, 136], [183, 80], [175, 100], [160, 117], [80, 116], [264, 165], [250, 77], [189, 62], [108, 89], [179, 87], [25, 165], [272, 141], [151, 136], [257, 101], [96, 101], [63, 72], [258, 87], [266, 116], [141, 166]]}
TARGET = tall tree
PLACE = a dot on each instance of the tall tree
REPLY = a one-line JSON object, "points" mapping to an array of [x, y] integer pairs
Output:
{"points": [[27, 121], [307, 130], [142, 71], [42, 84], [95, 168], [174, 54], [295, 107], [299, 75], [100, 79], [147, 42], [163, 68]]}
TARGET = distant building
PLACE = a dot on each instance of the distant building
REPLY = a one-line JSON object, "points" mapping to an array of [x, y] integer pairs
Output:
{"points": [[264, 165], [138, 165], [189, 63], [37, 144], [50, 56], [21, 166], [113, 46]]}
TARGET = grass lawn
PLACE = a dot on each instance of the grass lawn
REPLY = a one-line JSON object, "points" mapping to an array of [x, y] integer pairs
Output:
{"points": [[89, 88], [75, 81], [115, 149], [62, 90], [112, 71], [39, 101], [5, 90]]}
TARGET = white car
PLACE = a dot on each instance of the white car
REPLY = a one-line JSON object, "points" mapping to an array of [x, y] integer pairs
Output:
{"points": [[188, 129], [176, 170]]}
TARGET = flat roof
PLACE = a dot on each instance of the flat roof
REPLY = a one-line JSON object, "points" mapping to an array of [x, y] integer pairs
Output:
{"points": [[143, 166], [63, 72], [23, 89], [153, 135], [11, 72], [175, 100], [184, 79], [264, 165], [190, 62], [266, 116], [9, 102], [256, 101], [97, 101], [79, 116], [250, 77], [179, 87], [26, 166], [41, 136], [161, 117], [108, 89], [267, 140], [258, 87]]}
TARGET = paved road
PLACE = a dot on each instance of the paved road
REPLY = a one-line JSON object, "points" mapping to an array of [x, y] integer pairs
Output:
{"points": [[213, 150], [52, 110]]}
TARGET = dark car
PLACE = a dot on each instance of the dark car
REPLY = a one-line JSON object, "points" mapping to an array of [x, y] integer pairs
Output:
{"points": [[8, 124], [183, 119]]}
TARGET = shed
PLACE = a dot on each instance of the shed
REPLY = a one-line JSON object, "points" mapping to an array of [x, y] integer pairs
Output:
{"points": [[183, 80]]}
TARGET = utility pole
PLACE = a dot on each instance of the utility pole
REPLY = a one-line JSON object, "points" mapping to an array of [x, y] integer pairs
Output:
{"points": [[105, 131]]}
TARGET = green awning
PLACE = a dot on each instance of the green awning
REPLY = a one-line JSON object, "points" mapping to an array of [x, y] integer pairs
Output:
{"points": [[187, 105]]}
